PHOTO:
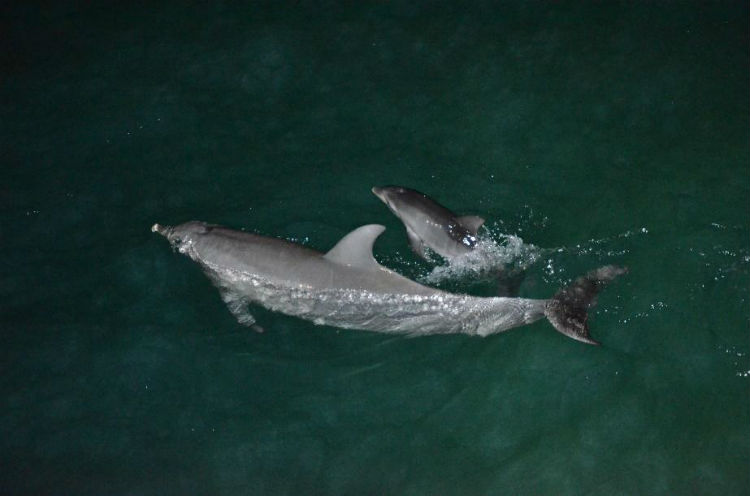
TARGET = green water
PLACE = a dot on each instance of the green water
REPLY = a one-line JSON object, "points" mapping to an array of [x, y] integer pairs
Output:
{"points": [[600, 133]]}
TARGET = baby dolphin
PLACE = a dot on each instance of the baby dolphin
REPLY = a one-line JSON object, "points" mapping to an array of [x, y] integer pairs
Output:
{"points": [[429, 224]]}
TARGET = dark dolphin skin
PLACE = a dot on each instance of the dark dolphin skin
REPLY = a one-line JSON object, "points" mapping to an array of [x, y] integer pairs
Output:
{"points": [[346, 287], [429, 224]]}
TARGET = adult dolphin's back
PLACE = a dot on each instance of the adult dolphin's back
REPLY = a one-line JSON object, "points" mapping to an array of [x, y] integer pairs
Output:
{"points": [[347, 288]]}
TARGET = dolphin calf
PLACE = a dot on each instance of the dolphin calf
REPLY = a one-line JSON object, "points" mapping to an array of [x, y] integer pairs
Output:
{"points": [[429, 224], [346, 287]]}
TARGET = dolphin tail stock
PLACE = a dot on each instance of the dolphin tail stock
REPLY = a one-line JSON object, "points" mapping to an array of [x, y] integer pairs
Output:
{"points": [[567, 311]]}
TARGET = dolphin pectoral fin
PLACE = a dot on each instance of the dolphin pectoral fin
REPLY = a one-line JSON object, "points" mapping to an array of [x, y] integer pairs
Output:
{"points": [[355, 249], [567, 310], [472, 223], [237, 306], [416, 244]]}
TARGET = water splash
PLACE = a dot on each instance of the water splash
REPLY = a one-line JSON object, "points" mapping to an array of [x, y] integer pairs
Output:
{"points": [[491, 255], [737, 356], [498, 252], [600, 249]]}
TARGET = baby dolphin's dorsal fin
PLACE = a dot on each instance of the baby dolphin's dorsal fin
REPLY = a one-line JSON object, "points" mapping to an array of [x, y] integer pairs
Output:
{"points": [[472, 223], [355, 249]]}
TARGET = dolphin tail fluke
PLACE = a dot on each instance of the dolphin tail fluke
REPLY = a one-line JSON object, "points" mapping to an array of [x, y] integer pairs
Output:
{"points": [[567, 311]]}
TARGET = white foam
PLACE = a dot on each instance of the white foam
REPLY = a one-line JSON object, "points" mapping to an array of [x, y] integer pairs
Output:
{"points": [[492, 254]]}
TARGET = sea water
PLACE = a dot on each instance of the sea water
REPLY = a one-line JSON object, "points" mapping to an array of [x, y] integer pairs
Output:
{"points": [[586, 135]]}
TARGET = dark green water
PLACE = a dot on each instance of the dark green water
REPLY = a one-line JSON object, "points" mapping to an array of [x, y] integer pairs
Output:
{"points": [[612, 133]]}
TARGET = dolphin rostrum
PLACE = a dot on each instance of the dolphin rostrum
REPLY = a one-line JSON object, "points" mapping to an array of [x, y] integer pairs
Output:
{"points": [[429, 224], [346, 287]]}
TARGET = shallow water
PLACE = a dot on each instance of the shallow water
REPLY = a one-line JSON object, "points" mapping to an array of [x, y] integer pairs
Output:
{"points": [[587, 135]]}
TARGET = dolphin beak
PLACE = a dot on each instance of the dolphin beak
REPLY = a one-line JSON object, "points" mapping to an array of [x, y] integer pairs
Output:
{"points": [[378, 192], [165, 231]]}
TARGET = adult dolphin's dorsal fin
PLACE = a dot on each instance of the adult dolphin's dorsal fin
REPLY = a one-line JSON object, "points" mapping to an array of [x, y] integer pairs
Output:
{"points": [[355, 249], [472, 223]]}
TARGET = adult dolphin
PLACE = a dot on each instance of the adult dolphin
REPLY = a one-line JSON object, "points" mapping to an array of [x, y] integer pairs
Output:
{"points": [[429, 224], [346, 287]]}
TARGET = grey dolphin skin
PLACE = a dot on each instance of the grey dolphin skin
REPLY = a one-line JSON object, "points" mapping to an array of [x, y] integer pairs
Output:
{"points": [[346, 287], [429, 224]]}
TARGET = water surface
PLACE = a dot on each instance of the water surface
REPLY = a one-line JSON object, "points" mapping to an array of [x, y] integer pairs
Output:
{"points": [[585, 135]]}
